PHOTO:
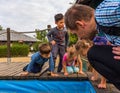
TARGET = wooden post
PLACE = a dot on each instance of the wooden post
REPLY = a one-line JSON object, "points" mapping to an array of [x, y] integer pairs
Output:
{"points": [[48, 27], [8, 46]]}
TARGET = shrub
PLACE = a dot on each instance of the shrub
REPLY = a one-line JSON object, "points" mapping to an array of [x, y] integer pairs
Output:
{"points": [[19, 50], [15, 50], [72, 38], [3, 51]]}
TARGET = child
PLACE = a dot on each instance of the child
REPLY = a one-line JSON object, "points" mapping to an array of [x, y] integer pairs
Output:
{"points": [[38, 59], [71, 61], [100, 41], [58, 37], [83, 47]]}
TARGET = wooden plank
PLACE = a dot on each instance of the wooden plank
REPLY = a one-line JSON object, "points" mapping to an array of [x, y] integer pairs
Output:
{"points": [[12, 71], [110, 87]]}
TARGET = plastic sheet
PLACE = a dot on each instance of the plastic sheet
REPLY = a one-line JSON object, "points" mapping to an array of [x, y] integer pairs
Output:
{"points": [[40, 86]]}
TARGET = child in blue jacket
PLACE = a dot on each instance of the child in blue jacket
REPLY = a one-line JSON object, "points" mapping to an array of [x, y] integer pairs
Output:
{"points": [[38, 59]]}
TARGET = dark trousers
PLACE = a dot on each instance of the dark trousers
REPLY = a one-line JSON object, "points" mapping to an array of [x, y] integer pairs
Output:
{"points": [[36, 70], [58, 50], [101, 58]]}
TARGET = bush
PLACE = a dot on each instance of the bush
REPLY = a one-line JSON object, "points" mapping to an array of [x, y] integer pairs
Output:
{"points": [[72, 38], [16, 50], [19, 50], [3, 51]]}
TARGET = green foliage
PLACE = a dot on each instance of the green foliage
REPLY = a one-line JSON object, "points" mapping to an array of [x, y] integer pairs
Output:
{"points": [[41, 35], [3, 51], [72, 38], [1, 27], [19, 50], [35, 46], [16, 50]]}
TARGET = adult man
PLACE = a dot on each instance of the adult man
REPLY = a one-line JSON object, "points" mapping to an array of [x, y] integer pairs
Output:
{"points": [[80, 19]]}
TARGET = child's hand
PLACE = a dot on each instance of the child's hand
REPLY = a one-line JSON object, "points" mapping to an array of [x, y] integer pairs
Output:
{"points": [[53, 42], [66, 74], [24, 73]]}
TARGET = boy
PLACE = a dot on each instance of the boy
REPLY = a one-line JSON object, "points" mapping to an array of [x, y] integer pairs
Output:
{"points": [[38, 59], [58, 37]]}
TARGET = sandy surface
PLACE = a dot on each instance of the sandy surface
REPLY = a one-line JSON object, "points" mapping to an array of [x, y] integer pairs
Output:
{"points": [[16, 59], [22, 59]]}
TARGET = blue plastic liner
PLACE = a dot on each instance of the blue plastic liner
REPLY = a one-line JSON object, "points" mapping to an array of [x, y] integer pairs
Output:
{"points": [[40, 86]]}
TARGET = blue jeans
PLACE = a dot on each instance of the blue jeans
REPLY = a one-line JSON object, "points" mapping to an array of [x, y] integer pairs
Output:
{"points": [[72, 69], [58, 50]]}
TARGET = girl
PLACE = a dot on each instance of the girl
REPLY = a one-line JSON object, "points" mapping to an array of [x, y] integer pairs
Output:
{"points": [[83, 46], [72, 62]]}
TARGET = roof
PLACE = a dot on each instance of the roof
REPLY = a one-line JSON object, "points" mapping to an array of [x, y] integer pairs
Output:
{"points": [[16, 36]]}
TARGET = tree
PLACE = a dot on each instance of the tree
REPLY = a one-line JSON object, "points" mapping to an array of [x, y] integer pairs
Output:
{"points": [[72, 38], [41, 35], [1, 27]]}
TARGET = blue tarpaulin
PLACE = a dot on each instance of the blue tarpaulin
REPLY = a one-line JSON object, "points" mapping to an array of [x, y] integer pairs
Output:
{"points": [[43, 86]]}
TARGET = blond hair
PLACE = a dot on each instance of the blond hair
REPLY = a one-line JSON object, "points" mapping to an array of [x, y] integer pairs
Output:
{"points": [[83, 45], [71, 51]]}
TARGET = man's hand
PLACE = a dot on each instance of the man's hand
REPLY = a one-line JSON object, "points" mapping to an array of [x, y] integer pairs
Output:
{"points": [[24, 73], [53, 42], [116, 51]]}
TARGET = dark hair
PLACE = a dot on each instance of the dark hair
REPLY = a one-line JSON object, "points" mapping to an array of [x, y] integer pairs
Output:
{"points": [[77, 12], [58, 17], [44, 48]]}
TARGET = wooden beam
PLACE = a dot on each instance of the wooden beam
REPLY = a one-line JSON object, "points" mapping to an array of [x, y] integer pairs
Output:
{"points": [[8, 46]]}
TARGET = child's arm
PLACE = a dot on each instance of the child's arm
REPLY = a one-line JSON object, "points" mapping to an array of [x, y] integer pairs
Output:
{"points": [[64, 68], [80, 64], [66, 39], [50, 38]]}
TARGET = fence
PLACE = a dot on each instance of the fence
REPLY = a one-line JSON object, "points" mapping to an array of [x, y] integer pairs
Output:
{"points": [[10, 36]]}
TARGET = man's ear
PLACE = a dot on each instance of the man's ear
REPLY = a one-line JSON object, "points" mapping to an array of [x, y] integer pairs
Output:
{"points": [[80, 24]]}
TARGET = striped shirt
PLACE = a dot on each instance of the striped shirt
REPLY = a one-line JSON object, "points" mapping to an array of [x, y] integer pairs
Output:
{"points": [[108, 14]]}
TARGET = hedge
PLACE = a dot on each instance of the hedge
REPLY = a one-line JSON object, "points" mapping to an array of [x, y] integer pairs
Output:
{"points": [[16, 50]]}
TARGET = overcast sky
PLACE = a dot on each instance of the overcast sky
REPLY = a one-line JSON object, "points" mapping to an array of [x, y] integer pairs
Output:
{"points": [[28, 15]]}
